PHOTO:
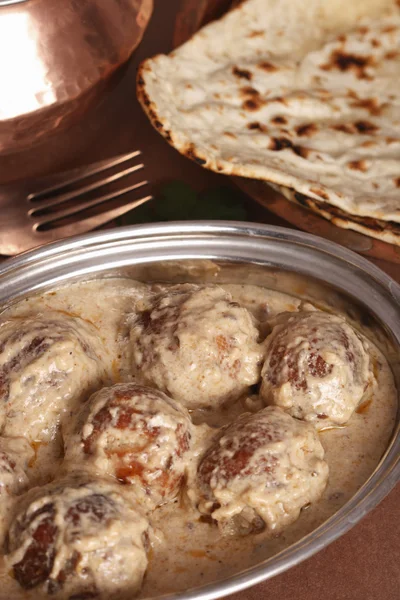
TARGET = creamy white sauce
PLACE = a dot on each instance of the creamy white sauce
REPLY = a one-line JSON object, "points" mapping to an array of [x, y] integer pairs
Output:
{"points": [[187, 552], [196, 345], [316, 367]]}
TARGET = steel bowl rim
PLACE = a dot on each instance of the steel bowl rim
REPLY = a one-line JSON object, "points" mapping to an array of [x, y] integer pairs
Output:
{"points": [[202, 226], [387, 472]]}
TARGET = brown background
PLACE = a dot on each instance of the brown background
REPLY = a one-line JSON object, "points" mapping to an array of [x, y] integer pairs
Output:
{"points": [[365, 563]]}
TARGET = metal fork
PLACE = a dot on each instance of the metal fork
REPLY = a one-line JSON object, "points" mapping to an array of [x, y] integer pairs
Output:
{"points": [[57, 206]]}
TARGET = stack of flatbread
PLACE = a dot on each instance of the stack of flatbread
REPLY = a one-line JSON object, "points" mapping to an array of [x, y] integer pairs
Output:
{"points": [[302, 94]]}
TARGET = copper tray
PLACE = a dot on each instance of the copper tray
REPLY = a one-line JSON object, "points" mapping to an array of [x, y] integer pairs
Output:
{"points": [[193, 15]]}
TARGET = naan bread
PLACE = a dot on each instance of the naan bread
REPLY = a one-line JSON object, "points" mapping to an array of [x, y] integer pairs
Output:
{"points": [[386, 231], [305, 95]]}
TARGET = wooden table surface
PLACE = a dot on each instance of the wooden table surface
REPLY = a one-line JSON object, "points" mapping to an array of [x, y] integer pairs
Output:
{"points": [[365, 563]]}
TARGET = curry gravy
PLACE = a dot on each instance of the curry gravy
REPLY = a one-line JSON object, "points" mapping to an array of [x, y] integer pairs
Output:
{"points": [[187, 551]]}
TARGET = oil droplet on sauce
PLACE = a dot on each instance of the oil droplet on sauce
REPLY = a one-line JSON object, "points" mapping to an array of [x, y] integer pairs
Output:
{"points": [[35, 445], [364, 407], [201, 554]]}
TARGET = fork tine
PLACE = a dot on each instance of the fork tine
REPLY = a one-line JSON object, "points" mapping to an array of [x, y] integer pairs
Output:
{"points": [[84, 190], [92, 222], [97, 167], [84, 205]]}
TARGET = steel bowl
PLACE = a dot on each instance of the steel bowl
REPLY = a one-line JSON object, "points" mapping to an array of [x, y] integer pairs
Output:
{"points": [[56, 58], [281, 259]]}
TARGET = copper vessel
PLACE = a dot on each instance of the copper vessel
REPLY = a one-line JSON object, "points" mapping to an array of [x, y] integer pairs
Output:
{"points": [[56, 57]]}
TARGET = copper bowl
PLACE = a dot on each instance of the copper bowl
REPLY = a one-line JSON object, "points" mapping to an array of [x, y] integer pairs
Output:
{"points": [[56, 58]]}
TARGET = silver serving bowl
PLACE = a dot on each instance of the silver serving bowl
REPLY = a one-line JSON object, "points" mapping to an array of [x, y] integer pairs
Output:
{"points": [[282, 259]]}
